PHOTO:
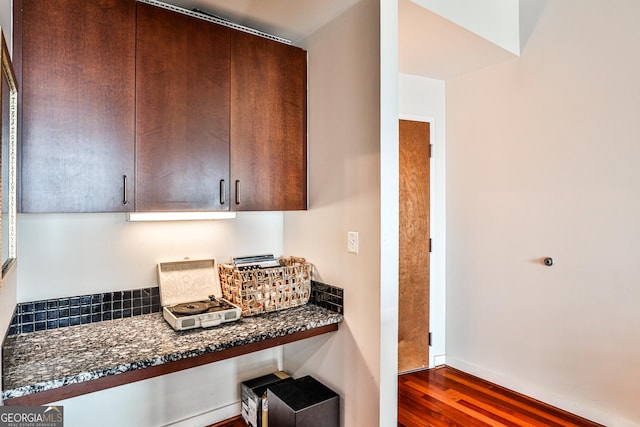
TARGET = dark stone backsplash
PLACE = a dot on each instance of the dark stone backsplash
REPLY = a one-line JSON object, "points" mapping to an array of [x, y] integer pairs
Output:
{"points": [[61, 312]]}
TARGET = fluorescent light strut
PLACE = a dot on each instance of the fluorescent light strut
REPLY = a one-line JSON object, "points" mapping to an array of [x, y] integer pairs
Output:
{"points": [[178, 216]]}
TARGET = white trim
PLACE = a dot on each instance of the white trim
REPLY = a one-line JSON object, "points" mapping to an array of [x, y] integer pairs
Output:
{"points": [[439, 360], [389, 214], [210, 417], [418, 118]]}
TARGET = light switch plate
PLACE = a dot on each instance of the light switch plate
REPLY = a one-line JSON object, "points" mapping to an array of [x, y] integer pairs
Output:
{"points": [[352, 242]]}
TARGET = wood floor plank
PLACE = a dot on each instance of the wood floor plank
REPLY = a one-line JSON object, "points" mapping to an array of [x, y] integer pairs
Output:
{"points": [[505, 403], [547, 414], [445, 396], [502, 417], [452, 399], [231, 422], [436, 412], [431, 400], [415, 410]]}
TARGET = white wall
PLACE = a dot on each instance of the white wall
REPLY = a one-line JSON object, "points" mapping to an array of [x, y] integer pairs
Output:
{"points": [[76, 254], [423, 99], [542, 160], [344, 193]]}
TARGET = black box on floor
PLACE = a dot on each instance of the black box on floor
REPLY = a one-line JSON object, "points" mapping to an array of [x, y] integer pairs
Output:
{"points": [[253, 395], [304, 402]]}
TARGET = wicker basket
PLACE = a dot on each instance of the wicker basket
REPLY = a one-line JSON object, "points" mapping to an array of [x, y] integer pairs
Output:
{"points": [[269, 289]]}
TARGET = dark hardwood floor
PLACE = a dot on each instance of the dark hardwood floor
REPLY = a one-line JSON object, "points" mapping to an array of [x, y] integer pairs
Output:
{"points": [[445, 396], [231, 422]]}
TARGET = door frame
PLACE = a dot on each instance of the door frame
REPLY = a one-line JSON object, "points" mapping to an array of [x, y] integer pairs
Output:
{"points": [[437, 229]]}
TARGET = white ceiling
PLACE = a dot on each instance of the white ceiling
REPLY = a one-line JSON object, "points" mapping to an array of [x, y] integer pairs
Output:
{"points": [[432, 46], [429, 45], [289, 19]]}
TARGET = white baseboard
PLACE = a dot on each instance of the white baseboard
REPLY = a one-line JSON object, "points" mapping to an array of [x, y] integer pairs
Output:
{"points": [[210, 417], [438, 360], [546, 396]]}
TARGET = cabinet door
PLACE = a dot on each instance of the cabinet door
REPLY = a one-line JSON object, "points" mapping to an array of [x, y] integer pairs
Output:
{"points": [[268, 124], [182, 112], [77, 86]]}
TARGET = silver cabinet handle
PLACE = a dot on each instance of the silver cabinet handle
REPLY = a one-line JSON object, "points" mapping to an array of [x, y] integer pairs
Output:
{"points": [[223, 192], [124, 190], [237, 191]]}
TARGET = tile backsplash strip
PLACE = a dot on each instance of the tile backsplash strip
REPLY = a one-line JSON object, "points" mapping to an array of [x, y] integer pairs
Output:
{"points": [[327, 296], [61, 312]]}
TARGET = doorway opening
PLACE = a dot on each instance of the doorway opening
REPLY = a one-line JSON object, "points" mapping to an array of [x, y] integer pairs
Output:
{"points": [[414, 245]]}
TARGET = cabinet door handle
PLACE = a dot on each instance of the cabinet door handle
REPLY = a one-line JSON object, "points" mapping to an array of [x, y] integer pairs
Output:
{"points": [[124, 190], [237, 191], [223, 192]]}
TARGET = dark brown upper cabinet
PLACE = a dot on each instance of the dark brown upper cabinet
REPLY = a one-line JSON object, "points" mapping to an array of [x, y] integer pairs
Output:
{"points": [[194, 115], [268, 124], [182, 112], [75, 64]]}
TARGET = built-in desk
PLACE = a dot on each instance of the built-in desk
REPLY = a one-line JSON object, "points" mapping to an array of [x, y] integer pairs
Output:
{"points": [[48, 366]]}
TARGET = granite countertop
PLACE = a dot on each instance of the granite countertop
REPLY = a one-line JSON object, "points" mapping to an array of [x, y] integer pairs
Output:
{"points": [[47, 360]]}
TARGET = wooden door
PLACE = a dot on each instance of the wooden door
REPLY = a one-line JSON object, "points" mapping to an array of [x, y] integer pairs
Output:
{"points": [[268, 124], [413, 310], [182, 112], [75, 68]]}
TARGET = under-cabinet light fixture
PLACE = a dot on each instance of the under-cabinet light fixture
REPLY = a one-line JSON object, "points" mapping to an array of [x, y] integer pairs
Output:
{"points": [[178, 216]]}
